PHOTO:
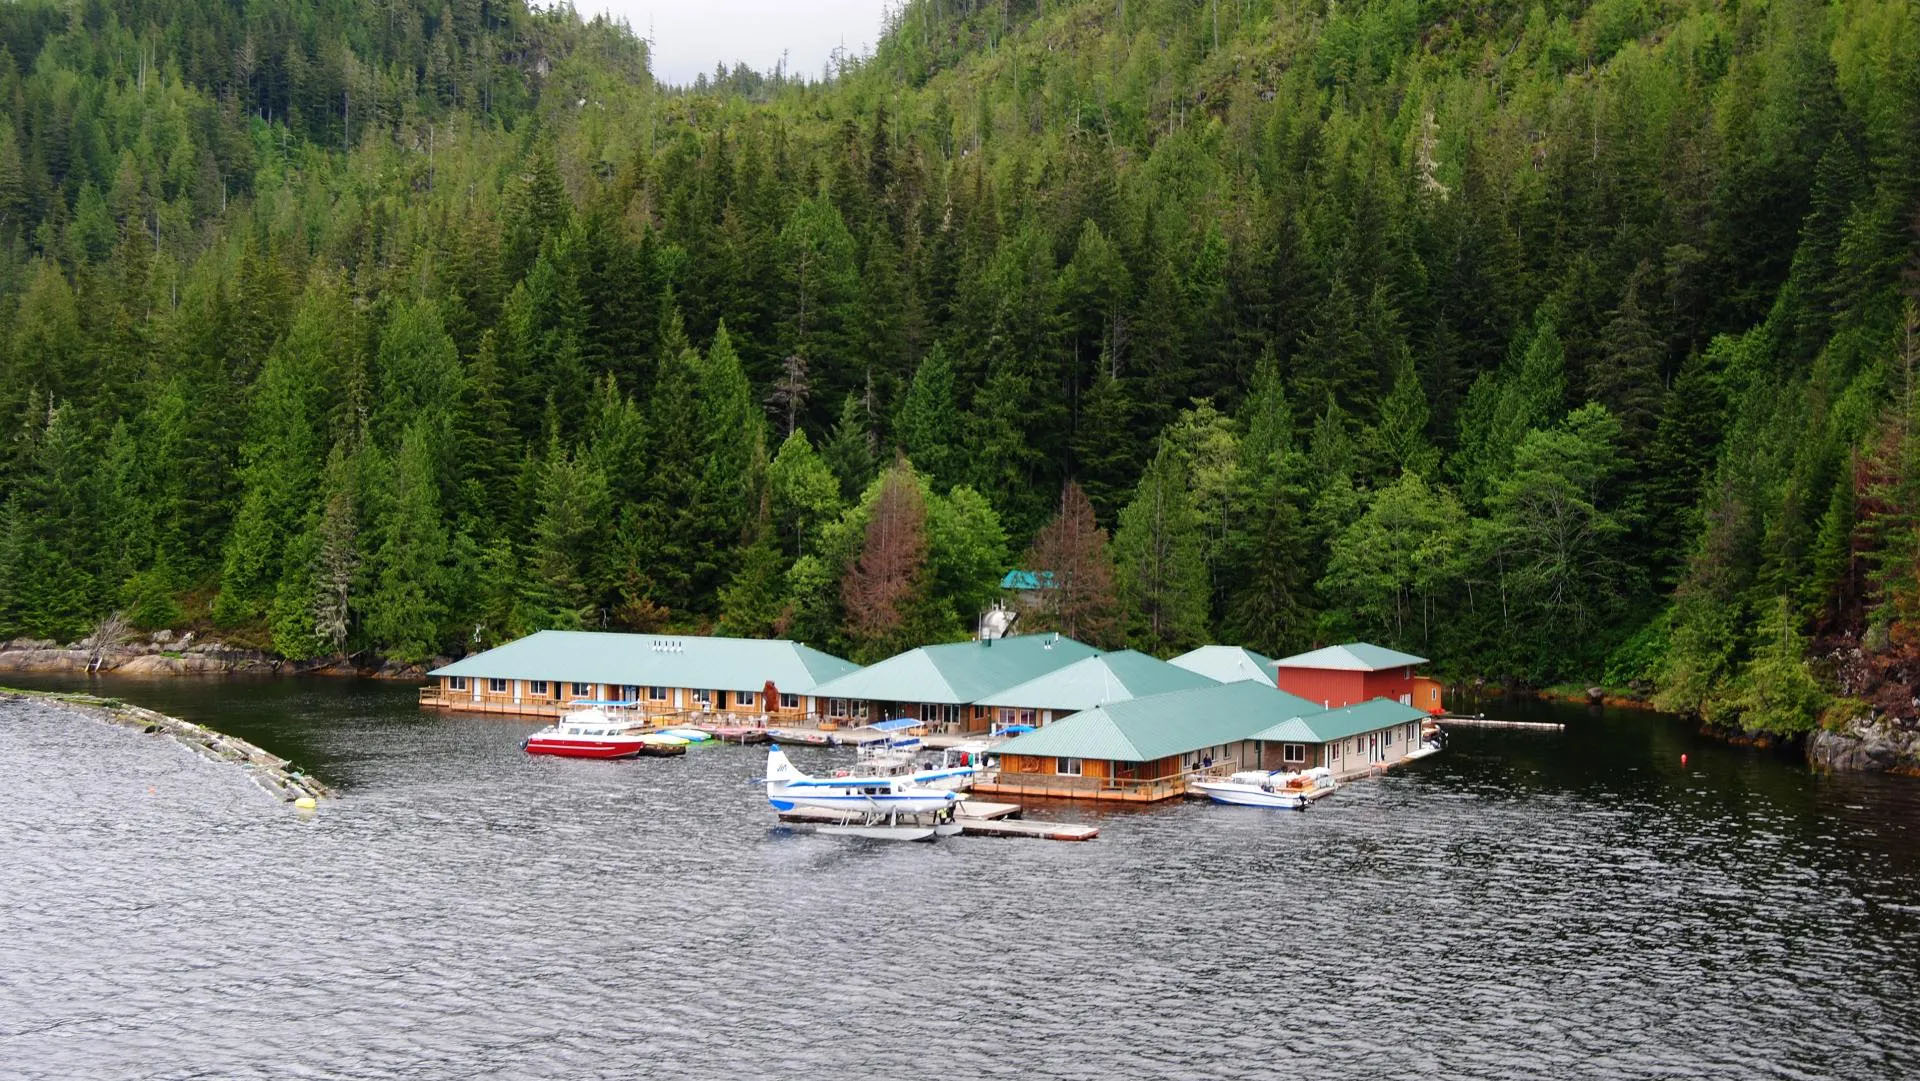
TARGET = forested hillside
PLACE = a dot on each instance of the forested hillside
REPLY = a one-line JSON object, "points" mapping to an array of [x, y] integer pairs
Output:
{"points": [[1553, 341]]}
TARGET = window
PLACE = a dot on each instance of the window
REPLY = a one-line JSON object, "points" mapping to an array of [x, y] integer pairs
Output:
{"points": [[703, 697], [1026, 716], [581, 690], [837, 707], [1386, 738], [537, 687], [1067, 767], [457, 683], [789, 701], [1333, 749], [745, 698], [656, 694], [1293, 752], [1006, 716], [497, 686], [630, 693]]}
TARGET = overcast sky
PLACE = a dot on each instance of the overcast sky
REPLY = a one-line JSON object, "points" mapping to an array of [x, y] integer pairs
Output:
{"points": [[689, 37]]}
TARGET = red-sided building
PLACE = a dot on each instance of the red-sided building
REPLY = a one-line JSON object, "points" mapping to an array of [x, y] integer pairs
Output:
{"points": [[1357, 672]]}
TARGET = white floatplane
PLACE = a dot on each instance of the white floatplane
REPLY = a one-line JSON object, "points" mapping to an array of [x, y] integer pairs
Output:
{"points": [[879, 802], [1263, 788]]}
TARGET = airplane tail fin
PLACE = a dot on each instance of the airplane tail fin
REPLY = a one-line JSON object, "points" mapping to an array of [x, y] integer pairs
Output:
{"points": [[780, 771]]}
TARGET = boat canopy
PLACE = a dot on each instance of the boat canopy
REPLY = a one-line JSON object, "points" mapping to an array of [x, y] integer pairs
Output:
{"points": [[602, 703], [896, 724]]}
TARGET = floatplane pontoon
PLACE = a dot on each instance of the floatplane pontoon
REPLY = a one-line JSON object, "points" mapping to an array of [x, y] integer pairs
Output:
{"points": [[878, 802]]}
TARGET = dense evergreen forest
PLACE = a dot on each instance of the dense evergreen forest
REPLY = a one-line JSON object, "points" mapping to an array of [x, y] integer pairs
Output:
{"points": [[1559, 340]]}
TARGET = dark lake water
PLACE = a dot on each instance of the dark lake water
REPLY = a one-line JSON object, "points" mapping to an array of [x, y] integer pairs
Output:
{"points": [[1524, 905]]}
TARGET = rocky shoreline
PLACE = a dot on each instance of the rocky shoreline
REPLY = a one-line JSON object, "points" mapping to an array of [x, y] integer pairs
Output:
{"points": [[275, 775], [1874, 742], [165, 654]]}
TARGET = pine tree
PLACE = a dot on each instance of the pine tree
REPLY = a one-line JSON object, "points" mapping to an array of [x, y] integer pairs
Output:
{"points": [[849, 450], [1071, 554], [1400, 435], [733, 447], [1106, 448], [928, 425], [407, 612], [885, 589], [1158, 562]]}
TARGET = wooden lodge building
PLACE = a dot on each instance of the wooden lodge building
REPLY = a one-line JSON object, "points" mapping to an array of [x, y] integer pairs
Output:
{"points": [[946, 686], [1144, 749], [1227, 664], [740, 680], [1357, 672]]}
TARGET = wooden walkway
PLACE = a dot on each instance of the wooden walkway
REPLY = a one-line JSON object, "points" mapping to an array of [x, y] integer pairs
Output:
{"points": [[976, 817], [1488, 722]]}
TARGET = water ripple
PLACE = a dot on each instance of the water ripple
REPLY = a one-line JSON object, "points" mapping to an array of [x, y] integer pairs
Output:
{"points": [[1521, 907]]}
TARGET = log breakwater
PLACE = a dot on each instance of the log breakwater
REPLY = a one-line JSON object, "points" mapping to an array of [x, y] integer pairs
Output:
{"points": [[275, 775]]}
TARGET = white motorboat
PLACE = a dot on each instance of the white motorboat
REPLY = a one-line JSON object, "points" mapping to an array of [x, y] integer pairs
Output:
{"points": [[597, 730], [878, 802], [1421, 751], [1263, 788]]}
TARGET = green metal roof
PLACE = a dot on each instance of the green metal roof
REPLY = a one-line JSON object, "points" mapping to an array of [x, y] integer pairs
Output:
{"points": [[958, 673], [1145, 729], [1352, 657], [1227, 664], [1325, 726], [1109, 677], [1027, 581], [656, 660]]}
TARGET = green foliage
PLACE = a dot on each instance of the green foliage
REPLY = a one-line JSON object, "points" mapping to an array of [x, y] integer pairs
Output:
{"points": [[1158, 554], [376, 325]]}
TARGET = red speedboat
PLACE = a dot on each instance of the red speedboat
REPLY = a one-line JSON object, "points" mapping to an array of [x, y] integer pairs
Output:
{"points": [[591, 733]]}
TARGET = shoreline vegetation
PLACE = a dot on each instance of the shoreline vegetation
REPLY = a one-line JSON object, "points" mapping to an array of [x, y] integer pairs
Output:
{"points": [[276, 776]]}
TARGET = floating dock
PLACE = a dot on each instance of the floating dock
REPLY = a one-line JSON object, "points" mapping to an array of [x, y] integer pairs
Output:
{"points": [[1488, 722], [976, 817]]}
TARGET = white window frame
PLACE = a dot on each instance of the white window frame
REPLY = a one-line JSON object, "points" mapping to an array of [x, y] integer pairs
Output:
{"points": [[1068, 767], [456, 683], [537, 688], [583, 690], [789, 701], [702, 696], [496, 686], [1386, 737], [1293, 752], [630, 692], [656, 694]]}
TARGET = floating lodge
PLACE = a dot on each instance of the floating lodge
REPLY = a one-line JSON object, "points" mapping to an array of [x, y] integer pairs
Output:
{"points": [[1084, 723]]}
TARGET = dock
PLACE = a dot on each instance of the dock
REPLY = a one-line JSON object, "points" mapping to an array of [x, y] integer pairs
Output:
{"points": [[1488, 722], [976, 817]]}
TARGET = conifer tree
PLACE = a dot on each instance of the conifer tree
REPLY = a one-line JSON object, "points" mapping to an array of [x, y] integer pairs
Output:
{"points": [[1077, 596], [886, 587], [928, 425], [1105, 446], [407, 611], [1159, 567], [849, 450]]}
